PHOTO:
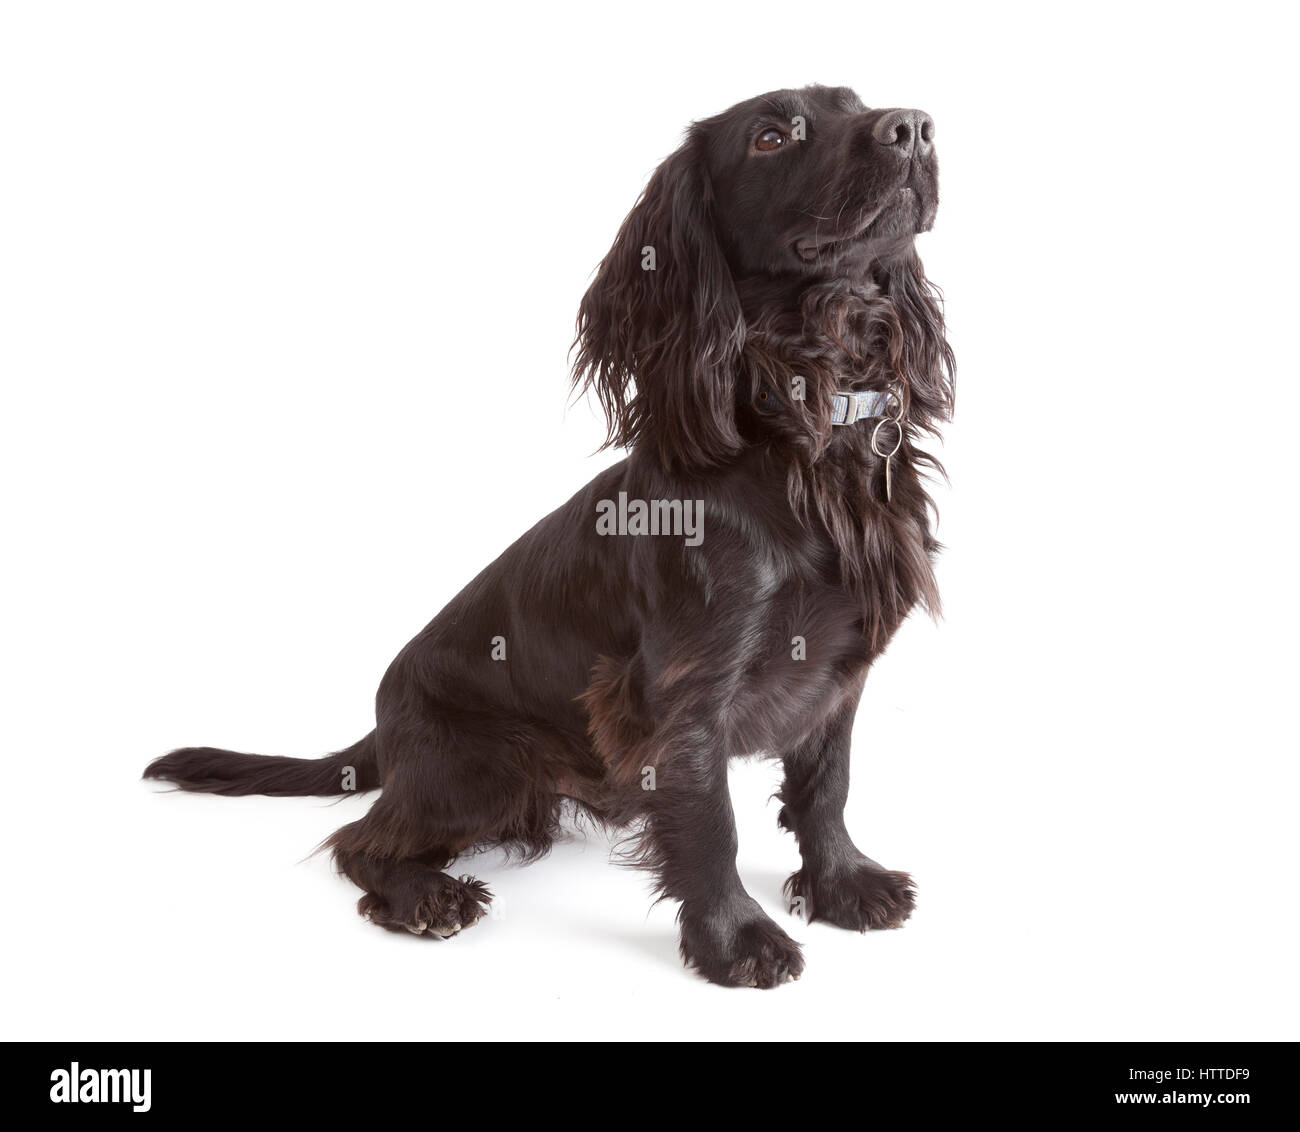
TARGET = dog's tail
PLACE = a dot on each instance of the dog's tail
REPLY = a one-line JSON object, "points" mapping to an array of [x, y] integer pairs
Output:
{"points": [[213, 771]]}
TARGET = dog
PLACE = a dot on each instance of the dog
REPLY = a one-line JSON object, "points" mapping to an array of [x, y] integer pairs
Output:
{"points": [[765, 344]]}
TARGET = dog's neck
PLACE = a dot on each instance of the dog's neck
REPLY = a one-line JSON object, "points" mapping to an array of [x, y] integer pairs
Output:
{"points": [[882, 330], [879, 328], [834, 334]]}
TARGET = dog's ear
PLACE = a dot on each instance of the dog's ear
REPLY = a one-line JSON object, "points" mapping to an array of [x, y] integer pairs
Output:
{"points": [[660, 330]]}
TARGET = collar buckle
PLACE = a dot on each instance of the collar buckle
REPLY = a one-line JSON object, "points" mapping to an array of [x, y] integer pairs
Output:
{"points": [[850, 407]]}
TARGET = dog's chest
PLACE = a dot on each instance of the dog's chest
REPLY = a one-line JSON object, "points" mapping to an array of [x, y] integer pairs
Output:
{"points": [[804, 650]]}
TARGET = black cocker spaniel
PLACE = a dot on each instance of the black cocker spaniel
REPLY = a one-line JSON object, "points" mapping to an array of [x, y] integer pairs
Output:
{"points": [[765, 344]]}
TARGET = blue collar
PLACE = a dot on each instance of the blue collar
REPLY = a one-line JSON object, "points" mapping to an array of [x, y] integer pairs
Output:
{"points": [[846, 408]]}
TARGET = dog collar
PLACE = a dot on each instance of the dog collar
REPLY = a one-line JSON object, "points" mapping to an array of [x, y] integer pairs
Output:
{"points": [[846, 408]]}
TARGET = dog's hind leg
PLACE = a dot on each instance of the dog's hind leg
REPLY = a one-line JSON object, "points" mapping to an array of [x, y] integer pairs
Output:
{"points": [[449, 784], [410, 893]]}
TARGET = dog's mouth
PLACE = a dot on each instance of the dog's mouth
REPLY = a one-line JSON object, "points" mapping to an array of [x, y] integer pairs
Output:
{"points": [[903, 211]]}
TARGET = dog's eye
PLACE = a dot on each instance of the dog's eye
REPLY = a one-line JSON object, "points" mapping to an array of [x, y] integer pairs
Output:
{"points": [[769, 140]]}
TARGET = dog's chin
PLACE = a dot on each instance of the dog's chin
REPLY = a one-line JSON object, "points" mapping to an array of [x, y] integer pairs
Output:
{"points": [[906, 212]]}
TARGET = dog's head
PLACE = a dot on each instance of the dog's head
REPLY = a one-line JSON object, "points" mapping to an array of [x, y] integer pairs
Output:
{"points": [[791, 190], [804, 179]]}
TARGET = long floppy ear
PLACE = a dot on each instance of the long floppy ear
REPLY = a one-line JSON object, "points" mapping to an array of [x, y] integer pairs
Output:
{"points": [[660, 330]]}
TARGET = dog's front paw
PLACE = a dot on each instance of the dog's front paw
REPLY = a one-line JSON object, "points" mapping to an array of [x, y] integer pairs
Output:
{"points": [[752, 952], [860, 897]]}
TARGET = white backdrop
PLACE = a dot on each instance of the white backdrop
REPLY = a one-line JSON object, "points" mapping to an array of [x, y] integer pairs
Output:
{"points": [[287, 291]]}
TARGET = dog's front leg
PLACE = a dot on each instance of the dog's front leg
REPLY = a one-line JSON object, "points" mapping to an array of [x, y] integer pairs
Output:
{"points": [[838, 883], [691, 841]]}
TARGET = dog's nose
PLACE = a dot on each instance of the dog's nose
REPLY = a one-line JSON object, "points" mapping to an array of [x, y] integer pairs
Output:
{"points": [[906, 131]]}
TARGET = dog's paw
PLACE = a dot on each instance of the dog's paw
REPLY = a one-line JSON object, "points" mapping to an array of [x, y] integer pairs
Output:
{"points": [[751, 953], [445, 907], [861, 897]]}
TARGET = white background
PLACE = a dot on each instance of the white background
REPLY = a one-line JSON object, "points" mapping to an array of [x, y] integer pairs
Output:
{"points": [[287, 291]]}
